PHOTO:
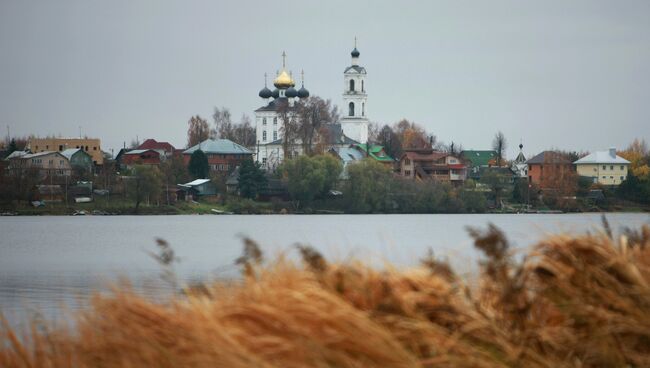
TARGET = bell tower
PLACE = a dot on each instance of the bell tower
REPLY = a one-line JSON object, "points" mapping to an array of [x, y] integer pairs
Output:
{"points": [[355, 121]]}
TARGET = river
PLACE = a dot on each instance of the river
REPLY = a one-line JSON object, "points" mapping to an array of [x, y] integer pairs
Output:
{"points": [[51, 264]]}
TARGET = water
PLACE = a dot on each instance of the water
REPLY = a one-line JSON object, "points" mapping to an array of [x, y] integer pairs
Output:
{"points": [[50, 262]]}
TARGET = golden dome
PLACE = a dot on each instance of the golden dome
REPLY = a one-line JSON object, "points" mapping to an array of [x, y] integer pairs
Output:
{"points": [[283, 80]]}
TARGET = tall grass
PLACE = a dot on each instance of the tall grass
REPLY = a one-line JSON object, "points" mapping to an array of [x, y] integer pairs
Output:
{"points": [[574, 301]]}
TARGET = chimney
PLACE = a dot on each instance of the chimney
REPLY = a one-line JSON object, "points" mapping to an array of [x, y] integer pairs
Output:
{"points": [[612, 152]]}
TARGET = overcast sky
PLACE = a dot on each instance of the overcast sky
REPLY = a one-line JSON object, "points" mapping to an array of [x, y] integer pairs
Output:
{"points": [[555, 74]]}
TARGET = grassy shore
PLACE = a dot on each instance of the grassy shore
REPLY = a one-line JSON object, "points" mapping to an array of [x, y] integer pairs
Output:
{"points": [[580, 301]]}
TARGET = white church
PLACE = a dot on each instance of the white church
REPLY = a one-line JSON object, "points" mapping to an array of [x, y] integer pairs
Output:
{"points": [[351, 129]]}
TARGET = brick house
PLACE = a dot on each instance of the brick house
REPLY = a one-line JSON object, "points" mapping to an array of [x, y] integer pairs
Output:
{"points": [[548, 167], [140, 157], [223, 155]]}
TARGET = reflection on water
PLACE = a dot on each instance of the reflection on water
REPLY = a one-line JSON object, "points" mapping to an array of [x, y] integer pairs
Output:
{"points": [[48, 262]]}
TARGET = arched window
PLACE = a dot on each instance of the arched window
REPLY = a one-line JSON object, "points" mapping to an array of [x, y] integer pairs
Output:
{"points": [[351, 85], [363, 107], [351, 109], [362, 88]]}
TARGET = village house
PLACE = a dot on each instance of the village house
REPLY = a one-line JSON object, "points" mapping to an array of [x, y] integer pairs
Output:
{"points": [[91, 145], [139, 157], [603, 167], [165, 149], [47, 163], [347, 156], [196, 189], [477, 159], [546, 168], [376, 152], [423, 164], [79, 159], [223, 155]]}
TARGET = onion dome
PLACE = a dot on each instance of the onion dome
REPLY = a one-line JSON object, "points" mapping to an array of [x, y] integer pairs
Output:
{"points": [[355, 53], [275, 93], [303, 92], [291, 92], [265, 93], [283, 81]]}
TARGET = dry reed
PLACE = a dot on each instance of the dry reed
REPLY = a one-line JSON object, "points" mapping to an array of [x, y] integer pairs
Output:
{"points": [[581, 301]]}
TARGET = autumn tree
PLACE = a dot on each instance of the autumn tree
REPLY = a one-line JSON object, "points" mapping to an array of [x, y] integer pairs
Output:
{"points": [[390, 141], [638, 155], [412, 135], [559, 181], [198, 130], [499, 144]]}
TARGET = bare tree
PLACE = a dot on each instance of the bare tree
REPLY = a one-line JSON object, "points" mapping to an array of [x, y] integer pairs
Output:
{"points": [[312, 114], [198, 130], [244, 132], [223, 126], [289, 130], [499, 144]]}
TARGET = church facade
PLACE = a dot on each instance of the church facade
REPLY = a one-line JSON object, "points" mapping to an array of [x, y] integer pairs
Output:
{"points": [[279, 105]]}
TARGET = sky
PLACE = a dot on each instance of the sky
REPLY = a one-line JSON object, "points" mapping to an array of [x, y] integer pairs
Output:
{"points": [[571, 75]]}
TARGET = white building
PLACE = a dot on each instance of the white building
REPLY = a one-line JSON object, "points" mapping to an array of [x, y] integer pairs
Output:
{"points": [[355, 121], [269, 120], [603, 167], [279, 104]]}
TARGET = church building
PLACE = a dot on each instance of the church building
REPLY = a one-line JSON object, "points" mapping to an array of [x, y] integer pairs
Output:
{"points": [[279, 105]]}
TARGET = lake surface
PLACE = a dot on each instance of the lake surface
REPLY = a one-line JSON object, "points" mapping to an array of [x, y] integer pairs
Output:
{"points": [[50, 262]]}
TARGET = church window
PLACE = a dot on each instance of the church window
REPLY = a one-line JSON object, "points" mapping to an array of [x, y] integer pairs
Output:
{"points": [[351, 85], [351, 109], [275, 121], [362, 88], [264, 136], [275, 135], [263, 121], [407, 172], [363, 109]]}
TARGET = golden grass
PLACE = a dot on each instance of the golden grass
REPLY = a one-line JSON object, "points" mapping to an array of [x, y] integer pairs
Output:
{"points": [[574, 302]]}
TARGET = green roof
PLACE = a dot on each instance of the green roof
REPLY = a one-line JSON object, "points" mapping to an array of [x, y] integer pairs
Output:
{"points": [[479, 158], [376, 151]]}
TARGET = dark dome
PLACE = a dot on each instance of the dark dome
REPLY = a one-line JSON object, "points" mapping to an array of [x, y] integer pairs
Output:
{"points": [[265, 93], [291, 92], [355, 53], [303, 92], [276, 93]]}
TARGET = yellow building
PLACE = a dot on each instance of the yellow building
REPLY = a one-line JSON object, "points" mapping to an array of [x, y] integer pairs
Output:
{"points": [[91, 145], [603, 167]]}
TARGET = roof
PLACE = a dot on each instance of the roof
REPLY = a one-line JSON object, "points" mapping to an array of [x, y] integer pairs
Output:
{"points": [[44, 153], [194, 183], [219, 146], [375, 151], [71, 151], [274, 105], [549, 157], [16, 154], [479, 158], [424, 155], [602, 157], [356, 68], [348, 154], [139, 151], [334, 134], [155, 145]]}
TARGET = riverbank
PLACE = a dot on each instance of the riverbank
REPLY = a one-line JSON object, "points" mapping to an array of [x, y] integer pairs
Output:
{"points": [[118, 207], [532, 311]]}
